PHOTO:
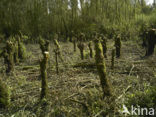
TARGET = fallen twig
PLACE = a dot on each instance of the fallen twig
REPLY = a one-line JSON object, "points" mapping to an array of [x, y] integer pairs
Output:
{"points": [[99, 113], [131, 70], [71, 96], [125, 91]]}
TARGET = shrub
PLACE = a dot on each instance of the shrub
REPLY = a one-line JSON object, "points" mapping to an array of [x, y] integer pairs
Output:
{"points": [[146, 99], [4, 95], [21, 49]]}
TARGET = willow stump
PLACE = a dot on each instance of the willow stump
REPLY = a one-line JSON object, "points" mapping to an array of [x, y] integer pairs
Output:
{"points": [[101, 67]]}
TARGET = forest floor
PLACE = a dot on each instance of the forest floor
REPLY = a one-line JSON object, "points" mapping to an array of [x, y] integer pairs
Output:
{"points": [[76, 91]]}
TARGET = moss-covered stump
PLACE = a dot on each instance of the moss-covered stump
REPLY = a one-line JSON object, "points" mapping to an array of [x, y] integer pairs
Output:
{"points": [[56, 44], [56, 61], [112, 60], [81, 47], [90, 49], [104, 46], [21, 49], [16, 59], [15, 49], [74, 43], [8, 56], [118, 46], [57, 52], [82, 37], [43, 70], [151, 41], [4, 95], [44, 45], [100, 63], [58, 49]]}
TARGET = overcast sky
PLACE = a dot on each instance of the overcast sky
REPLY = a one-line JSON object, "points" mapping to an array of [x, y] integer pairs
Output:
{"points": [[149, 1]]}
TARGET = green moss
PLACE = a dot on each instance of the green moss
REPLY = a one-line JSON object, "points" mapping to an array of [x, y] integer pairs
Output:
{"points": [[4, 95], [43, 69], [100, 63]]}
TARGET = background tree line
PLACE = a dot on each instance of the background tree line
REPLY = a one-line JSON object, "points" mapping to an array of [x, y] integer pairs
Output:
{"points": [[47, 17]]}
